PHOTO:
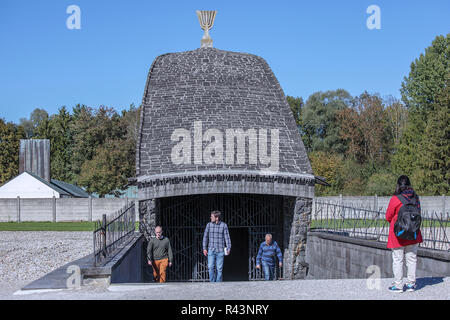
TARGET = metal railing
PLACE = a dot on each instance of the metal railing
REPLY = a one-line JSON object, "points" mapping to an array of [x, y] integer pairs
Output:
{"points": [[366, 223], [113, 231]]}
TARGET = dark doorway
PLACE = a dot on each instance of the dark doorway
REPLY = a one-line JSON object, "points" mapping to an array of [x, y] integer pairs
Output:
{"points": [[235, 267], [248, 216]]}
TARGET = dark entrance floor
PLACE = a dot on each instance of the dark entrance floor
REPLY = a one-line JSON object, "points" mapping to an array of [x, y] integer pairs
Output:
{"points": [[235, 267]]}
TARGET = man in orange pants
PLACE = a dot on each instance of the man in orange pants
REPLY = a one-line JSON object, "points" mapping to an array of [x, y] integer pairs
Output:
{"points": [[159, 254]]}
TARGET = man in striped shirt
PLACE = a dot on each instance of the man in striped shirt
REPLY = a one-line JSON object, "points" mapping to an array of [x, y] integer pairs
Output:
{"points": [[268, 251], [216, 243]]}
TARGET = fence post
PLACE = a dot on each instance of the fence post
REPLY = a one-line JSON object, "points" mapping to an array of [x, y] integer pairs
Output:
{"points": [[54, 209], [90, 209], [443, 204], [313, 209], [18, 209], [375, 203], [104, 234], [136, 209], [340, 200]]}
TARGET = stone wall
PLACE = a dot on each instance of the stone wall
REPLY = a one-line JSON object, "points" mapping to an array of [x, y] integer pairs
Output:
{"points": [[297, 217]]}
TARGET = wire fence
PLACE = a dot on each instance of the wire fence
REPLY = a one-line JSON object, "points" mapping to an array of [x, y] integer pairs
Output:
{"points": [[366, 223], [112, 232]]}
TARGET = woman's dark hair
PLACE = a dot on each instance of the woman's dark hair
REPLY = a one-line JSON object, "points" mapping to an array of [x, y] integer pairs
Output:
{"points": [[403, 184]]}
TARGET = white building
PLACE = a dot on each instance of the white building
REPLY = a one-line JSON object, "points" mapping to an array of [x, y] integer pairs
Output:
{"points": [[29, 185]]}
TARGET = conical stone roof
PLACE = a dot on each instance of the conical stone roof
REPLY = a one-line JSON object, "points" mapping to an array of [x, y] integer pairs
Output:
{"points": [[216, 121]]}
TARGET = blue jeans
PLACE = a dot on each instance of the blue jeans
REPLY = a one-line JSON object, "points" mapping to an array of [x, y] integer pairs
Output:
{"points": [[215, 261], [269, 270]]}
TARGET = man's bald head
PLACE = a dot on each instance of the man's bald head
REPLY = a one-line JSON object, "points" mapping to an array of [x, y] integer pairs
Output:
{"points": [[158, 231]]}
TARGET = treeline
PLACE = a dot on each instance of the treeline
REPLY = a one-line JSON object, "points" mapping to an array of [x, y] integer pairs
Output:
{"points": [[93, 148], [362, 144], [359, 144]]}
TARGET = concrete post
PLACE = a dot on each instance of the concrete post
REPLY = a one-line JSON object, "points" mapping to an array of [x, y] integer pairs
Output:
{"points": [[443, 204], [54, 209], [90, 209], [136, 208], [18, 209]]}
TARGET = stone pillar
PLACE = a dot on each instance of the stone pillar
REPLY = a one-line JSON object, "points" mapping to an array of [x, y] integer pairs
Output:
{"points": [[298, 210], [147, 218], [147, 222]]}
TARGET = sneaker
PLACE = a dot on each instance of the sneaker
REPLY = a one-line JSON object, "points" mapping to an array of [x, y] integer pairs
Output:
{"points": [[410, 287], [395, 289]]}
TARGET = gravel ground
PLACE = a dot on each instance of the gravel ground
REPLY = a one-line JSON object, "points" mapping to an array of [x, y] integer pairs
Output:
{"points": [[342, 289], [26, 256]]}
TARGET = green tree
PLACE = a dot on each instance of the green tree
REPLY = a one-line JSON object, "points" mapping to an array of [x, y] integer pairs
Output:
{"points": [[353, 178], [109, 169], [60, 137], [381, 183], [104, 148], [427, 78], [10, 135], [396, 119], [91, 129], [327, 165], [30, 126], [84, 140], [432, 174], [320, 127], [296, 104], [364, 127]]}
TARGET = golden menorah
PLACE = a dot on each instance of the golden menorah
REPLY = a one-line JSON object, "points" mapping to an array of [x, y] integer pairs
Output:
{"points": [[206, 19]]}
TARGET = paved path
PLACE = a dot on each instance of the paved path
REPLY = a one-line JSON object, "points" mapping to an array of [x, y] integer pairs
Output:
{"points": [[353, 289]]}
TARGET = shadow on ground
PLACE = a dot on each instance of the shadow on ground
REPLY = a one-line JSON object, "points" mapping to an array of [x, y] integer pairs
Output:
{"points": [[429, 281]]}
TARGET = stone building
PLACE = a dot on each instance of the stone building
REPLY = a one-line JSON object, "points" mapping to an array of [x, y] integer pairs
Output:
{"points": [[217, 133]]}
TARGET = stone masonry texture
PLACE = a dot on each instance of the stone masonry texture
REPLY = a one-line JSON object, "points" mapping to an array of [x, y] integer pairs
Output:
{"points": [[223, 90]]}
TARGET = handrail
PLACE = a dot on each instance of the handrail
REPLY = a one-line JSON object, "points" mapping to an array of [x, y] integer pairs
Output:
{"points": [[367, 223], [112, 231]]}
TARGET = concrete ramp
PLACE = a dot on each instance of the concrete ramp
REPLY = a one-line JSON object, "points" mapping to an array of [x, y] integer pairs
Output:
{"points": [[125, 266]]}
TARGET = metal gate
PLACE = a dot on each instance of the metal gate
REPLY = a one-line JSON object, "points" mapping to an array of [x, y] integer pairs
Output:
{"points": [[184, 220]]}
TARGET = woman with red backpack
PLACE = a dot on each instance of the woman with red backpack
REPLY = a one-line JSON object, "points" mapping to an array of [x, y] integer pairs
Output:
{"points": [[404, 196]]}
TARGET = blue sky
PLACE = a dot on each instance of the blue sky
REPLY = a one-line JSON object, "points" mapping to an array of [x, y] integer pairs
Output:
{"points": [[310, 45]]}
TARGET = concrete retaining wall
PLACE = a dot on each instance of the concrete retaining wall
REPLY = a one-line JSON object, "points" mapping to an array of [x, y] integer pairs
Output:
{"points": [[332, 256], [131, 264], [59, 209]]}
